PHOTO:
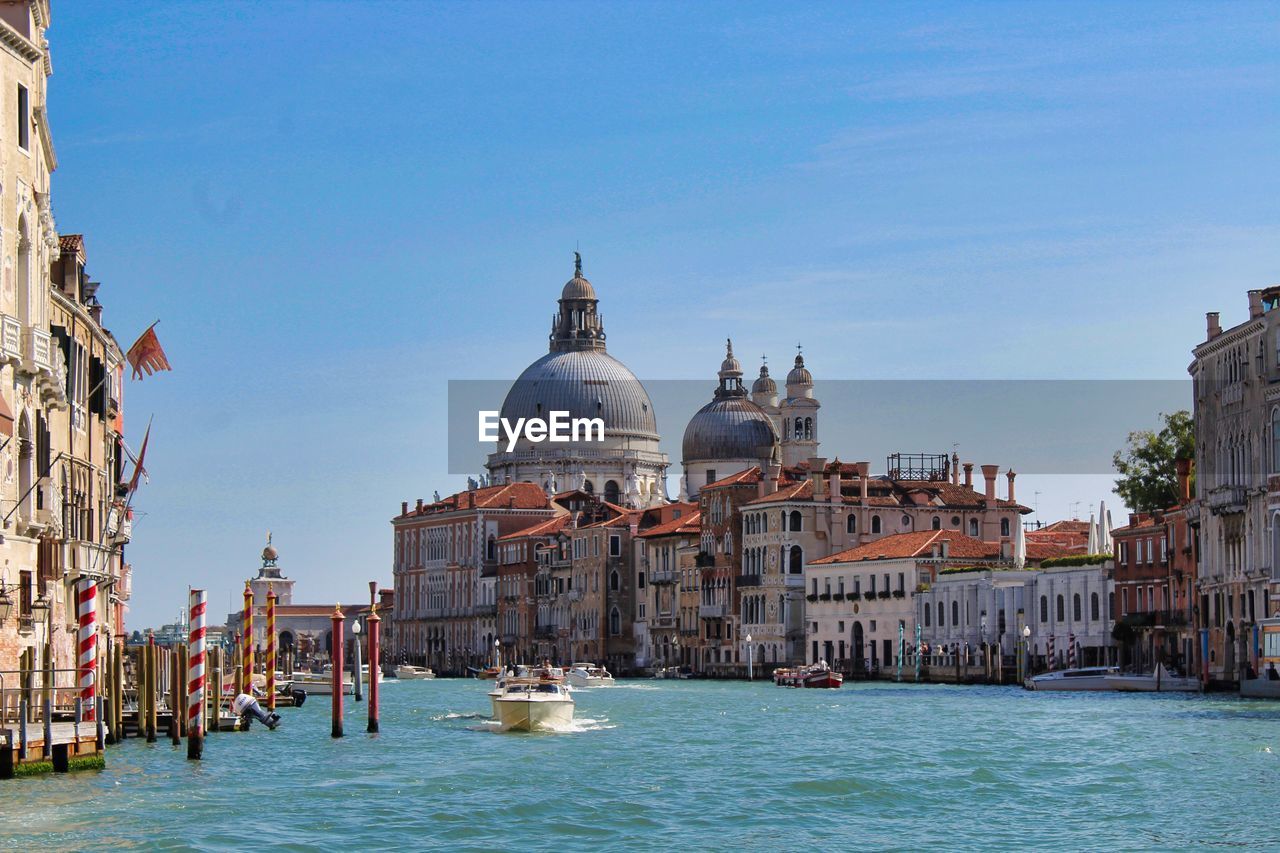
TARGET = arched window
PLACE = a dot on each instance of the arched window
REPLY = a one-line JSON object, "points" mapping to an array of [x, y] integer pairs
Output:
{"points": [[875, 524], [728, 543], [611, 491], [615, 581], [937, 523], [799, 428], [615, 622], [955, 614], [941, 612], [26, 306], [851, 524], [797, 560], [1275, 442], [1075, 607], [491, 549], [973, 527], [1093, 607], [1044, 608], [795, 520], [1004, 527], [808, 428], [1062, 609], [927, 609]]}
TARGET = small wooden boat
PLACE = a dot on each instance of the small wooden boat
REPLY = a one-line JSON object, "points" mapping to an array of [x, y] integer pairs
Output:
{"points": [[487, 674], [813, 675]]}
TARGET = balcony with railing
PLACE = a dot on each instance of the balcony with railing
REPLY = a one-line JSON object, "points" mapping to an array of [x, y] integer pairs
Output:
{"points": [[748, 580], [663, 577], [793, 580], [1228, 500], [10, 339], [485, 610], [545, 632], [712, 611], [664, 620]]}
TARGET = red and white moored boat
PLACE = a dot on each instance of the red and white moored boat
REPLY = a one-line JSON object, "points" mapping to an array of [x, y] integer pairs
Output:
{"points": [[814, 675]]}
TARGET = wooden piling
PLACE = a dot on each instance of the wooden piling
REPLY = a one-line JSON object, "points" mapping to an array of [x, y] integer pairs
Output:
{"points": [[153, 694], [117, 712], [175, 695], [336, 657], [373, 624]]}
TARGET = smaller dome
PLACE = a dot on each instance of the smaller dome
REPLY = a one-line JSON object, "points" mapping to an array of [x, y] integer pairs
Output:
{"points": [[764, 384], [799, 375], [578, 288], [269, 553]]}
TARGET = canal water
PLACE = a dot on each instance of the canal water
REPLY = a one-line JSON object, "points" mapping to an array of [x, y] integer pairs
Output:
{"points": [[717, 765]]}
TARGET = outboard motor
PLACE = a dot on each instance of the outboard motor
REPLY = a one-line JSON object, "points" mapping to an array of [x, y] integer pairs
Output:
{"points": [[245, 706]]}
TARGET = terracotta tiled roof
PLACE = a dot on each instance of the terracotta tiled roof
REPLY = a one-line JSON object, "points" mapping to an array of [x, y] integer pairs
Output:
{"points": [[790, 492], [542, 528], [1047, 550], [904, 545], [504, 496], [751, 476], [71, 243], [685, 524]]}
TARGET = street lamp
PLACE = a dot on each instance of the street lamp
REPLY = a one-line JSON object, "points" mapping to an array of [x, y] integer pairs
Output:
{"points": [[750, 661], [357, 669], [675, 651], [497, 652]]}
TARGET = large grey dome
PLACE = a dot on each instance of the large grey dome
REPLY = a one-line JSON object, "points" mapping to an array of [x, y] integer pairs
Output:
{"points": [[587, 384], [729, 428]]}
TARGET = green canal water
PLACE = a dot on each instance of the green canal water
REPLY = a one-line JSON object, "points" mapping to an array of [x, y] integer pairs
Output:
{"points": [[715, 765]]}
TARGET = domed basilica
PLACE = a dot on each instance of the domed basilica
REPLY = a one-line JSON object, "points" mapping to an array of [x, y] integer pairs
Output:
{"points": [[733, 432], [579, 376]]}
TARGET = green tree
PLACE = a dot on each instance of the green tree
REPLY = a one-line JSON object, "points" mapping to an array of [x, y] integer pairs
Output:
{"points": [[1148, 477]]}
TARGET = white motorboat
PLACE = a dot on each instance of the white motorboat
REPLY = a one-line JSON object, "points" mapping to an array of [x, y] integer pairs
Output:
{"points": [[552, 674], [670, 672], [1083, 678], [533, 704], [407, 672], [1159, 681], [321, 685], [589, 675]]}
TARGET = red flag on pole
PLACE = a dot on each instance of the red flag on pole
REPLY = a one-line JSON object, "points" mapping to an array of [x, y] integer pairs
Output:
{"points": [[138, 470], [147, 354]]}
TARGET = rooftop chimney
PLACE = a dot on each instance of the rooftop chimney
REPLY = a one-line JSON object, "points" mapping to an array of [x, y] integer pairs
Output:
{"points": [[989, 474], [775, 471], [955, 469], [968, 475], [835, 484], [1255, 304], [1183, 467], [404, 507], [1011, 475], [1214, 327], [864, 469], [419, 507], [817, 467], [946, 548]]}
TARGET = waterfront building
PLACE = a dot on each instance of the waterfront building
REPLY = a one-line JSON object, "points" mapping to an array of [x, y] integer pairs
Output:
{"points": [[861, 600], [524, 611], [579, 376], [445, 568], [987, 602], [61, 370], [819, 509], [1237, 427], [667, 584]]}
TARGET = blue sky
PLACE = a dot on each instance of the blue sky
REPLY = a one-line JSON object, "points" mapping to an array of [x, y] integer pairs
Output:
{"points": [[334, 208]]}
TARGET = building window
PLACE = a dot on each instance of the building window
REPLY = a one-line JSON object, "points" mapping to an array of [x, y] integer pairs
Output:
{"points": [[615, 546], [973, 527], [24, 119], [955, 614], [615, 622], [1075, 607], [927, 608], [941, 613], [851, 524], [615, 581], [1004, 527], [795, 520], [875, 524], [711, 476], [1044, 608], [937, 523], [1093, 607], [1062, 609], [640, 580]]}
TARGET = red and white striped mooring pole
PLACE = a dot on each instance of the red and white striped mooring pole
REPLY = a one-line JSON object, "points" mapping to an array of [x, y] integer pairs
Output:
{"points": [[87, 592], [195, 674]]}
